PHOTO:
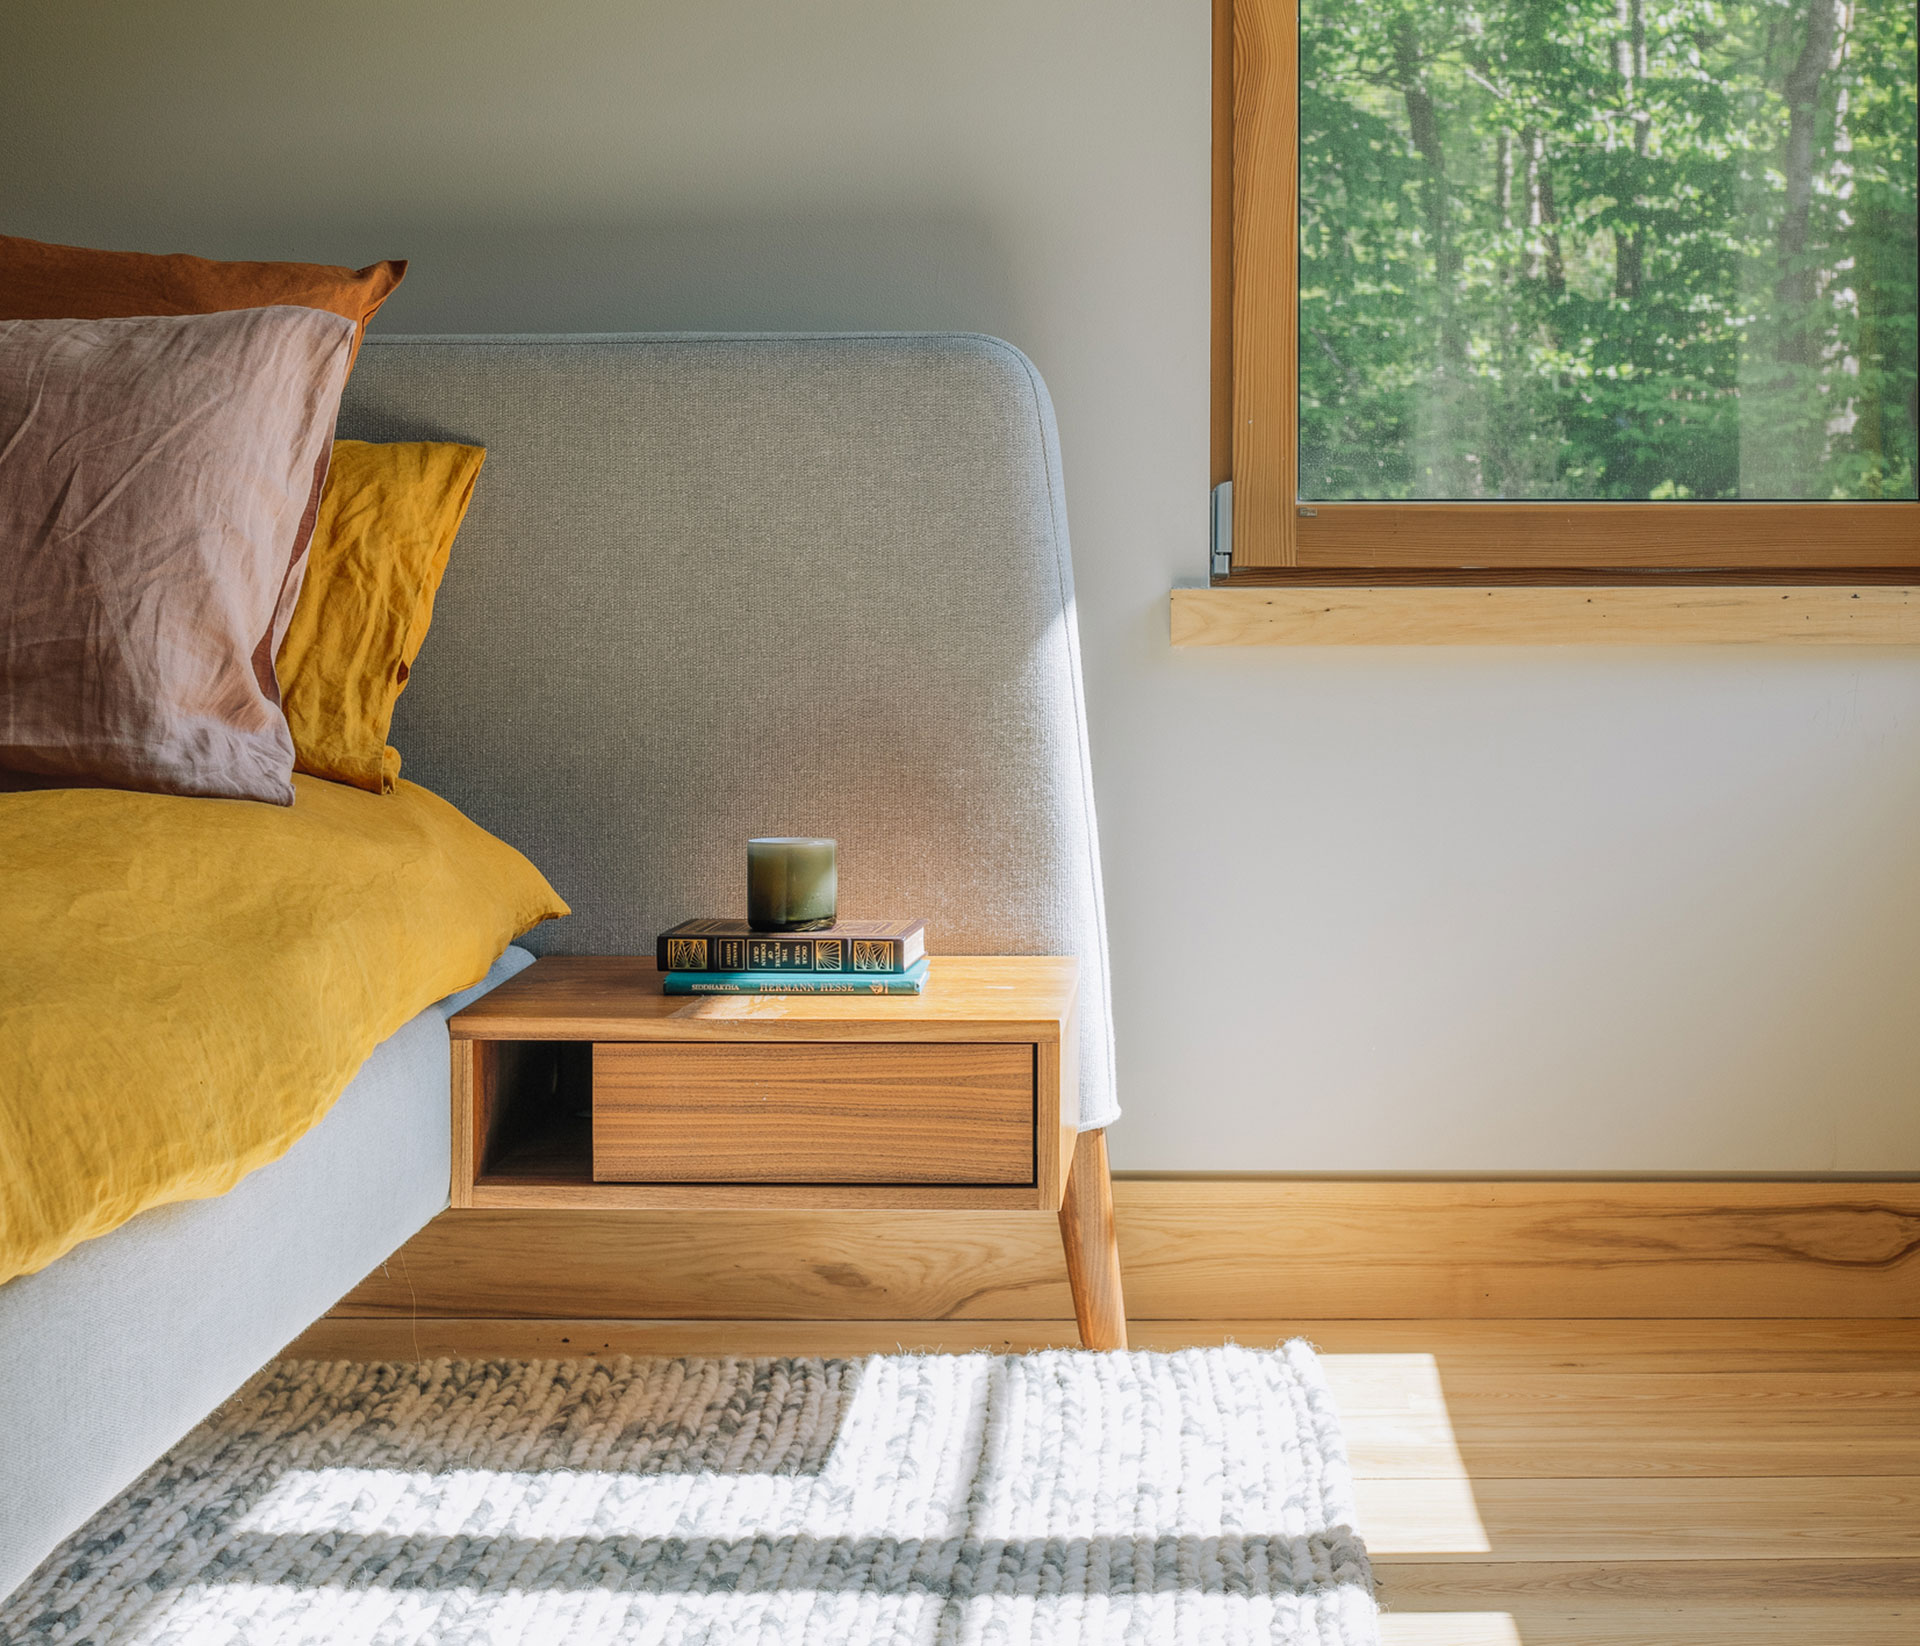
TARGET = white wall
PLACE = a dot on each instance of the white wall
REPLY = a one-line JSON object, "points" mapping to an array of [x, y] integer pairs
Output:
{"points": [[1395, 910]]}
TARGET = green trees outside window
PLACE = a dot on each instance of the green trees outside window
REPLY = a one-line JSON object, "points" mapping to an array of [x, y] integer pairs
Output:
{"points": [[1608, 249]]}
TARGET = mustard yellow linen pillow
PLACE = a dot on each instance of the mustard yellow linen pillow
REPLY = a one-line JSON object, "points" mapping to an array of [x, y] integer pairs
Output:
{"points": [[380, 546]]}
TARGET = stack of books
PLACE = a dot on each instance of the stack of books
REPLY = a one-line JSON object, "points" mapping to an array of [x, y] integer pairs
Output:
{"points": [[850, 957]]}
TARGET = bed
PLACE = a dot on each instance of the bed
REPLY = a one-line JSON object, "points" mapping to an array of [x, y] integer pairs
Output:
{"points": [[708, 587], [119, 1347]]}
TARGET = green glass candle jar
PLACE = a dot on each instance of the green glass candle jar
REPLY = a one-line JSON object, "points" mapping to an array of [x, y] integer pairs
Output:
{"points": [[792, 884]]}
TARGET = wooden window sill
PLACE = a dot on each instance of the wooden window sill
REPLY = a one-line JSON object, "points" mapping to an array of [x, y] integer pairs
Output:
{"points": [[1866, 614]]}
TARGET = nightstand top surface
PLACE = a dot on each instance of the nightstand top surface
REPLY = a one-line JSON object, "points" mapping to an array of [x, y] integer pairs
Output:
{"points": [[618, 997]]}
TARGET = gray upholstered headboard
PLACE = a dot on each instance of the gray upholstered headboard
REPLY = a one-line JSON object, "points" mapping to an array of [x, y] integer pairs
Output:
{"points": [[713, 587]]}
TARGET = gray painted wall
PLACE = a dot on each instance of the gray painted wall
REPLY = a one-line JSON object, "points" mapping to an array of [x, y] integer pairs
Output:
{"points": [[1388, 910]]}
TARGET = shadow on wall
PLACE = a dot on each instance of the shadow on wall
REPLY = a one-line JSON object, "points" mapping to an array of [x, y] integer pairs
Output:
{"points": [[897, 269]]}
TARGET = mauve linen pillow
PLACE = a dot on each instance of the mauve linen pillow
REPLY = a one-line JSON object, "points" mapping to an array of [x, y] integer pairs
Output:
{"points": [[158, 484]]}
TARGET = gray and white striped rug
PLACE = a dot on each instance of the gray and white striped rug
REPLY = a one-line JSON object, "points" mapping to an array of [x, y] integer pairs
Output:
{"points": [[1051, 1498]]}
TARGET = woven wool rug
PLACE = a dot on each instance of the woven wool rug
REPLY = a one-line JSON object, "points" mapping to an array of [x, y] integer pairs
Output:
{"points": [[1198, 1497]]}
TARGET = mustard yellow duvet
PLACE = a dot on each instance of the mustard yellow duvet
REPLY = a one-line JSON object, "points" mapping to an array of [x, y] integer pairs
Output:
{"points": [[187, 985]]}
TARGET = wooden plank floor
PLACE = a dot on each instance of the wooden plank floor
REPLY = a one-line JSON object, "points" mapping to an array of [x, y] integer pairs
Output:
{"points": [[1520, 1483]]}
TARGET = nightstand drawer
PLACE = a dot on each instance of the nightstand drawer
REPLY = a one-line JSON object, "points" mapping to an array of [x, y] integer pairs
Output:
{"points": [[818, 1112]]}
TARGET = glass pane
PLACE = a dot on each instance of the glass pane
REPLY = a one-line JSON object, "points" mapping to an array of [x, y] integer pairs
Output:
{"points": [[1607, 249]]}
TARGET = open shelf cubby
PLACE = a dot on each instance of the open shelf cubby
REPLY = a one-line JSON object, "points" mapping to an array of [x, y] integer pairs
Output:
{"points": [[539, 1107]]}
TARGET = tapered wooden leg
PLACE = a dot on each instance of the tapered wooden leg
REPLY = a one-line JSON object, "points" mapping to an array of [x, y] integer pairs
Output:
{"points": [[1093, 1255]]}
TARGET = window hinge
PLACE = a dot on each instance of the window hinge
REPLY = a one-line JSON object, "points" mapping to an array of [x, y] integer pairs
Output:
{"points": [[1222, 540]]}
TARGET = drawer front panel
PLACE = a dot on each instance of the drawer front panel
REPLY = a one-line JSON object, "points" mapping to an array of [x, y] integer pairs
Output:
{"points": [[833, 1112]]}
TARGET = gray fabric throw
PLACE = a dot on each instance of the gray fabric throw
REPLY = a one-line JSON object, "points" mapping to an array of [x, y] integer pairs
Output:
{"points": [[1049, 1498]]}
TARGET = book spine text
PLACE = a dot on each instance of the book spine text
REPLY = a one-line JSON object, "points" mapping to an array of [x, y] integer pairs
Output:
{"points": [[855, 956], [786, 983]]}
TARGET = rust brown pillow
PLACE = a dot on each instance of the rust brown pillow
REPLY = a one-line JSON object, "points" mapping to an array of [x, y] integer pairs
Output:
{"points": [[158, 484], [40, 281]]}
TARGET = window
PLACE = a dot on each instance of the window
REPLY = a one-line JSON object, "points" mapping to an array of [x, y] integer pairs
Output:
{"points": [[1568, 289]]}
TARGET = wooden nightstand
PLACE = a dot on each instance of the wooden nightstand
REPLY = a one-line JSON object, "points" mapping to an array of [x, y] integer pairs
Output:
{"points": [[578, 1083]]}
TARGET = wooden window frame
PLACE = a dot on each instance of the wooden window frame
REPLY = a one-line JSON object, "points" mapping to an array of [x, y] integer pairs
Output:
{"points": [[1255, 409]]}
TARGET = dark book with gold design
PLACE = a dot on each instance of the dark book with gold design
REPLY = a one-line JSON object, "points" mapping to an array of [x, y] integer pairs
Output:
{"points": [[872, 947]]}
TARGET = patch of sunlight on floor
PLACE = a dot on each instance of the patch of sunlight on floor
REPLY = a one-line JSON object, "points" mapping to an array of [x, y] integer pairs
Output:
{"points": [[1449, 1629], [1411, 1486]]}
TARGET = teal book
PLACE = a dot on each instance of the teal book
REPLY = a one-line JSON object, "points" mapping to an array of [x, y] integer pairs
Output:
{"points": [[908, 982]]}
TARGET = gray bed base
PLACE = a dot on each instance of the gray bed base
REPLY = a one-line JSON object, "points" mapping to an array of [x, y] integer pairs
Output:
{"points": [[110, 1354]]}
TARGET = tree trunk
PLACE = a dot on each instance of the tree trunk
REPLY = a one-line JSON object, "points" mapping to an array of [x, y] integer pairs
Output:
{"points": [[1788, 432], [1630, 63], [1424, 124], [1802, 92], [1503, 177], [1442, 421], [1543, 238]]}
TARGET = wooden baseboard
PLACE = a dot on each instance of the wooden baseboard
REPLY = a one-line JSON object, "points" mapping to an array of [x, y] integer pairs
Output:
{"points": [[1227, 1249], [1491, 1347]]}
